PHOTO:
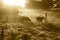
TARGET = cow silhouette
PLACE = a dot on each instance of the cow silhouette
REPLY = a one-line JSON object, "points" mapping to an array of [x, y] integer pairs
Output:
{"points": [[26, 21], [40, 19]]}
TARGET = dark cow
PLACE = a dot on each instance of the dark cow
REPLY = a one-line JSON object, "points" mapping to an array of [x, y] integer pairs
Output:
{"points": [[23, 18], [26, 20], [40, 19]]}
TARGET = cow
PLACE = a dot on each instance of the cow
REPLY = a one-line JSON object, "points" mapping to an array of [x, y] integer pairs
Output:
{"points": [[23, 18], [40, 19], [26, 20]]}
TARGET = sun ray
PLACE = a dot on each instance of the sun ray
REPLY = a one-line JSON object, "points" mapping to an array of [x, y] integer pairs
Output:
{"points": [[20, 3]]}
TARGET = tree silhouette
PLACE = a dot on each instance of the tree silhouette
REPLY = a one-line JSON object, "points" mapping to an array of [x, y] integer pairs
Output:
{"points": [[44, 4]]}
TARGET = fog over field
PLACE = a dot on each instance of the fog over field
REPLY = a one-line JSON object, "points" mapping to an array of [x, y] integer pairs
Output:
{"points": [[36, 21]]}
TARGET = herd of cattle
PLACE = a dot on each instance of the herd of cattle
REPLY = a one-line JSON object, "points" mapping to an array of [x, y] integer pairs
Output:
{"points": [[27, 19]]}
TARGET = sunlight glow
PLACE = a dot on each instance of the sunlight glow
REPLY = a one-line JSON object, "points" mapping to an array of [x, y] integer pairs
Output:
{"points": [[20, 3]]}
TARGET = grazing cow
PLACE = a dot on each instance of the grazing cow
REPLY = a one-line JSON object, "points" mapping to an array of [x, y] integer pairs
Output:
{"points": [[23, 18], [40, 19], [26, 20]]}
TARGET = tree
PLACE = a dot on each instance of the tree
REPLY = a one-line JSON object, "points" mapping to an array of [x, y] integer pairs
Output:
{"points": [[44, 4]]}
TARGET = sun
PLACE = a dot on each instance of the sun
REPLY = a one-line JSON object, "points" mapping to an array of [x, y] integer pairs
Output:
{"points": [[21, 3]]}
